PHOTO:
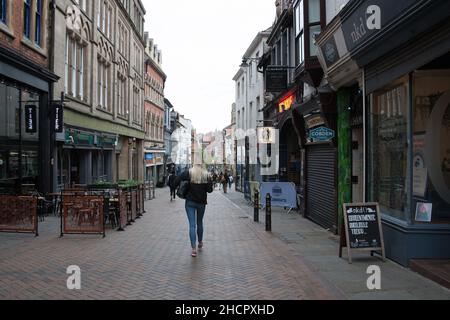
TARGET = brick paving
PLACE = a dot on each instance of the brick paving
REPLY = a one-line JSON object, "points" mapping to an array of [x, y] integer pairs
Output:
{"points": [[151, 260], [318, 249]]}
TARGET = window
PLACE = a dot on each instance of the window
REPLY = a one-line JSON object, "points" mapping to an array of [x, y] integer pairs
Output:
{"points": [[27, 18], [431, 144], [3, 11], [313, 25], [388, 148], [75, 75], [299, 34], [38, 23], [103, 84]]}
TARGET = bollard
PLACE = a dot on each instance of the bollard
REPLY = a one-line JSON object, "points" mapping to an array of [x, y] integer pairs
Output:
{"points": [[256, 206], [268, 212]]}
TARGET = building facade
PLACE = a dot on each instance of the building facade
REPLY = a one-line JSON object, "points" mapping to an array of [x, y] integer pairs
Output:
{"points": [[154, 113], [395, 79], [249, 98], [26, 92], [99, 56]]}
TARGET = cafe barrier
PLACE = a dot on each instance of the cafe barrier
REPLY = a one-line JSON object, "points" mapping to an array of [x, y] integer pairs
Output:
{"points": [[133, 194], [18, 214], [82, 214], [123, 210]]}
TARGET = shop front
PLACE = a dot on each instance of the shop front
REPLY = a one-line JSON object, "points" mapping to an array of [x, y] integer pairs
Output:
{"points": [[154, 167], [25, 126], [406, 85], [315, 123], [85, 157]]}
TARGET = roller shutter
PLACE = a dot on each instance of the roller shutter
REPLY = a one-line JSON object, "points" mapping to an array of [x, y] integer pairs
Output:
{"points": [[321, 195]]}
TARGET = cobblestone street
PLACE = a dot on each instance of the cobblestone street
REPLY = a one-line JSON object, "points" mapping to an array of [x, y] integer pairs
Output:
{"points": [[151, 260]]}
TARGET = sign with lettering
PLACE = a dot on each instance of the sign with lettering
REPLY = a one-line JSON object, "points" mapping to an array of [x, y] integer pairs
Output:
{"points": [[30, 119], [362, 224], [330, 52], [58, 117], [276, 80], [369, 18], [321, 134]]}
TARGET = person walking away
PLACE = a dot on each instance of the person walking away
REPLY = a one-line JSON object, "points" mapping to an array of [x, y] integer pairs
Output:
{"points": [[220, 180], [225, 182], [230, 181], [200, 184], [172, 185]]}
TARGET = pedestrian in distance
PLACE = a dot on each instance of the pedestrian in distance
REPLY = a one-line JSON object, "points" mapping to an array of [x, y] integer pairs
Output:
{"points": [[200, 184], [230, 181], [225, 181], [172, 185]]}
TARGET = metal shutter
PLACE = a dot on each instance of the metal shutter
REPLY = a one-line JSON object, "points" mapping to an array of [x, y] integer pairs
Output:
{"points": [[321, 201]]}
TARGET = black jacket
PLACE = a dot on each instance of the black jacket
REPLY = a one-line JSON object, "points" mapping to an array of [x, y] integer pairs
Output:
{"points": [[197, 192], [172, 181]]}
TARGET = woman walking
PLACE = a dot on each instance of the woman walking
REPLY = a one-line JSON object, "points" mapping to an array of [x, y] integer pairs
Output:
{"points": [[200, 184]]}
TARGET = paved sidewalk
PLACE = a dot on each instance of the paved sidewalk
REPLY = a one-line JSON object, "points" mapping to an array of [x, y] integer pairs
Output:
{"points": [[318, 249], [151, 260]]}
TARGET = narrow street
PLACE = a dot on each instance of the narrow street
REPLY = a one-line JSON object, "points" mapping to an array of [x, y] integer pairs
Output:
{"points": [[151, 260]]}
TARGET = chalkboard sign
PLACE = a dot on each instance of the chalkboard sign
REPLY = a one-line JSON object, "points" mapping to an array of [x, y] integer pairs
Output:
{"points": [[362, 224]]}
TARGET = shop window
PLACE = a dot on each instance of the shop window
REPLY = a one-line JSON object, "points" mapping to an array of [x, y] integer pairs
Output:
{"points": [[431, 151], [388, 152]]}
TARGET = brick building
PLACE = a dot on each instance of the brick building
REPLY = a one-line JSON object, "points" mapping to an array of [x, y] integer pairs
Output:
{"points": [[154, 111], [26, 83], [99, 56]]}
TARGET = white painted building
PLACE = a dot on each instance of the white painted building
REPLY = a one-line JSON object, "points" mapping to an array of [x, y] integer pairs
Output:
{"points": [[249, 100], [182, 142]]}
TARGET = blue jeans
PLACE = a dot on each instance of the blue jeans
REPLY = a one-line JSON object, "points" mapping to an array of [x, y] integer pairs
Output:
{"points": [[195, 224]]}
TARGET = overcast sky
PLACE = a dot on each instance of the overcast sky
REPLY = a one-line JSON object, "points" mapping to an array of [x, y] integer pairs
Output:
{"points": [[202, 43]]}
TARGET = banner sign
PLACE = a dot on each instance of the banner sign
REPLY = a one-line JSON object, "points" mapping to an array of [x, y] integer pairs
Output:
{"points": [[284, 194], [362, 223], [30, 119]]}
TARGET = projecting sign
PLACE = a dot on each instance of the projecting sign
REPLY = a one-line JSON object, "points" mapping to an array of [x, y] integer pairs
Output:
{"points": [[321, 134], [362, 224], [58, 121], [266, 135], [30, 119], [276, 80]]}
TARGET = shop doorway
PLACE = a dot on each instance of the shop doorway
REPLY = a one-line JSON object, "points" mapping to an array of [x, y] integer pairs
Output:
{"points": [[290, 155]]}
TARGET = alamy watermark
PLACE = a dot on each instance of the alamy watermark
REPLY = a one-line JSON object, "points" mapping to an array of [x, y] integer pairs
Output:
{"points": [[74, 280]]}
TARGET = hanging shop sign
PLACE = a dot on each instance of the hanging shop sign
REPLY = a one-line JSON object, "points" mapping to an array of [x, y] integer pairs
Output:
{"points": [[286, 103], [57, 115], [276, 80], [30, 119], [362, 224], [266, 135], [321, 134]]}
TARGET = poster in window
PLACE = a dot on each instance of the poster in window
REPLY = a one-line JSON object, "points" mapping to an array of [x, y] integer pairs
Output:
{"points": [[424, 211], [420, 171]]}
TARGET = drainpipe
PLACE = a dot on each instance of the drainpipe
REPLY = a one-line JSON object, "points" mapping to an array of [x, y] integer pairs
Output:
{"points": [[364, 133]]}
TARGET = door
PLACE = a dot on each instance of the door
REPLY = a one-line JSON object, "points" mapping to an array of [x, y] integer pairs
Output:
{"points": [[357, 165]]}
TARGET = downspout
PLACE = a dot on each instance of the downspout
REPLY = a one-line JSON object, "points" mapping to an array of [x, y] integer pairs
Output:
{"points": [[51, 53], [364, 134]]}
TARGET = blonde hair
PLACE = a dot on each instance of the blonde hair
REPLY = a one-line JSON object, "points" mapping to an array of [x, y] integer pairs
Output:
{"points": [[198, 174]]}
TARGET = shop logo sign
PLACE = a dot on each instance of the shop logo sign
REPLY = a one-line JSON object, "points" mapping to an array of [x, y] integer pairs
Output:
{"points": [[322, 134], [30, 119], [373, 22]]}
